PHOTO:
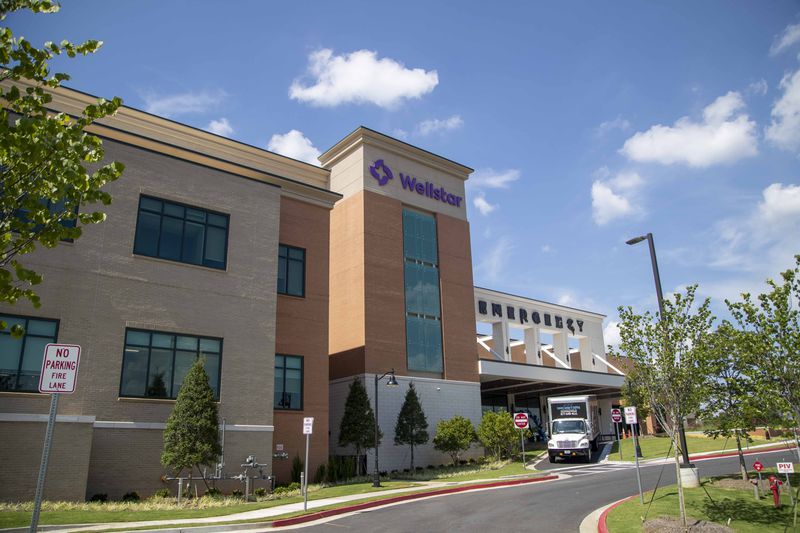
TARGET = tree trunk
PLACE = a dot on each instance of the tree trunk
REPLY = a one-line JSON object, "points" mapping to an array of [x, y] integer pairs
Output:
{"points": [[681, 502], [742, 466], [412, 458]]}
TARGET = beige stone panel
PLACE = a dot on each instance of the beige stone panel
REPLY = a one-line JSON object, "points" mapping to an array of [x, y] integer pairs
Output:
{"points": [[384, 285], [68, 465], [347, 175], [457, 296], [346, 308]]}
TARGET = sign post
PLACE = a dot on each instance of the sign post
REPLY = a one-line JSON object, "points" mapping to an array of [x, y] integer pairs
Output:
{"points": [[521, 421], [758, 466], [59, 371], [630, 419], [787, 468], [616, 417], [308, 429]]}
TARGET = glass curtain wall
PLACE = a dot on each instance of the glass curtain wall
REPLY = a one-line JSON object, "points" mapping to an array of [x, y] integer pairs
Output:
{"points": [[423, 308]]}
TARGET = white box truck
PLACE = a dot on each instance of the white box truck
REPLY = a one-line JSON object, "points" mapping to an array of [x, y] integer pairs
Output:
{"points": [[574, 427]]}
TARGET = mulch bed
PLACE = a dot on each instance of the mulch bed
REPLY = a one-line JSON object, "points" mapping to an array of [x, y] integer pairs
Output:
{"points": [[673, 525]]}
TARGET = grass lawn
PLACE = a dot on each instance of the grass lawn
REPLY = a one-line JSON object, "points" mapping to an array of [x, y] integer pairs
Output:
{"points": [[90, 513], [657, 447], [717, 505]]}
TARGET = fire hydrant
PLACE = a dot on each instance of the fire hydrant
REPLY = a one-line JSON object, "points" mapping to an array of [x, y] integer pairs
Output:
{"points": [[775, 487]]}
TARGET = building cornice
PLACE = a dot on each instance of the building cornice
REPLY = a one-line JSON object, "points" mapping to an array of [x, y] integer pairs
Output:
{"points": [[365, 136], [157, 134]]}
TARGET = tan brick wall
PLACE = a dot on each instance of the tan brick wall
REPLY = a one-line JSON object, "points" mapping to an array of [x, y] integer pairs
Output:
{"points": [[22, 455], [302, 329]]}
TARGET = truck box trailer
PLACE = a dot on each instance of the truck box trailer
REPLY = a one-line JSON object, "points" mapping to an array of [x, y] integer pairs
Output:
{"points": [[574, 426]]}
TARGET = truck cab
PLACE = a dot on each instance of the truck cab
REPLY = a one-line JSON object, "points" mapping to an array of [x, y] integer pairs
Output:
{"points": [[574, 427]]}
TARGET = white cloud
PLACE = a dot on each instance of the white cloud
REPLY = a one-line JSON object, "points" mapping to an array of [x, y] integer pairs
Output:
{"points": [[615, 198], [759, 87], [494, 261], [790, 36], [482, 205], [220, 127], [725, 135], [488, 178], [785, 128], [183, 103], [546, 248], [361, 77], [295, 145], [400, 134], [608, 126], [426, 127], [611, 333]]}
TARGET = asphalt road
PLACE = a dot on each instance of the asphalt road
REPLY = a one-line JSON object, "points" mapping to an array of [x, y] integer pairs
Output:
{"points": [[557, 506]]}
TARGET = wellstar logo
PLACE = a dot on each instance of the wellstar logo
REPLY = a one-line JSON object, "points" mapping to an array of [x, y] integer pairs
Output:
{"points": [[387, 172], [381, 172]]}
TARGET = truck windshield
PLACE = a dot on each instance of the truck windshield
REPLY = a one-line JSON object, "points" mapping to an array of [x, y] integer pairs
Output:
{"points": [[568, 426]]}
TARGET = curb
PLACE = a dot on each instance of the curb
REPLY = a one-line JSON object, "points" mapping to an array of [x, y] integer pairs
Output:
{"points": [[601, 522], [734, 454], [368, 505]]}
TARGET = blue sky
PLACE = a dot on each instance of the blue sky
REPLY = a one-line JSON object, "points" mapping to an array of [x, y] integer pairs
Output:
{"points": [[587, 122]]}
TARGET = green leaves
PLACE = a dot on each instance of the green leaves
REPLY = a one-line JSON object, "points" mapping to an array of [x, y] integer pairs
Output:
{"points": [[412, 426], [454, 436], [45, 186], [358, 423]]}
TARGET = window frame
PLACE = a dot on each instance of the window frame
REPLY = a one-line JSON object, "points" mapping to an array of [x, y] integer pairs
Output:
{"points": [[28, 318], [162, 215], [283, 388], [218, 392], [287, 259]]}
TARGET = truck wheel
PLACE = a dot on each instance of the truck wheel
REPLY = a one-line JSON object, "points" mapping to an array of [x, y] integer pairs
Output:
{"points": [[594, 445], [552, 458]]}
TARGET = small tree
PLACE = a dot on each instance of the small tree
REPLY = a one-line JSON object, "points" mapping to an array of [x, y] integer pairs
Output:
{"points": [[773, 343], [454, 436], [728, 398], [42, 156], [191, 437], [665, 353], [358, 423], [498, 434], [412, 426]]}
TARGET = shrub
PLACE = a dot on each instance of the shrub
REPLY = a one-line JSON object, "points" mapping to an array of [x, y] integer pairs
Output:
{"points": [[162, 493], [132, 496], [293, 486], [297, 468], [213, 492], [454, 436], [237, 494], [321, 475], [99, 497], [498, 434], [340, 468], [260, 492]]}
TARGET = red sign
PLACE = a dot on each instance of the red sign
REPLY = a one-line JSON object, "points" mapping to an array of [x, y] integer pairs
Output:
{"points": [[521, 420], [59, 368], [616, 416], [758, 466]]}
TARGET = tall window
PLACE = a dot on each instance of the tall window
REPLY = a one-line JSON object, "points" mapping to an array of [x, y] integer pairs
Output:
{"points": [[155, 364], [288, 382], [21, 359], [423, 310], [291, 270], [181, 233]]}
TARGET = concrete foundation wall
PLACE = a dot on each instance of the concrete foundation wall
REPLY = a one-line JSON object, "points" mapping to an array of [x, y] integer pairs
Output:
{"points": [[440, 400]]}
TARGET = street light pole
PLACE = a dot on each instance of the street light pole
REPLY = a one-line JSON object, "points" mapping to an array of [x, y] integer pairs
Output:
{"points": [[392, 382], [660, 294]]}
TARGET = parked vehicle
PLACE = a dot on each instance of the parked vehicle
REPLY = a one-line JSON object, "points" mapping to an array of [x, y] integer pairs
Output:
{"points": [[574, 426]]}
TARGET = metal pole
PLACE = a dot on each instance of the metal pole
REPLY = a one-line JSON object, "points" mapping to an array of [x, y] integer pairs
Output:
{"points": [[48, 439], [376, 478], [638, 475], [619, 442], [305, 487], [797, 444], [657, 278], [180, 489], [522, 440]]}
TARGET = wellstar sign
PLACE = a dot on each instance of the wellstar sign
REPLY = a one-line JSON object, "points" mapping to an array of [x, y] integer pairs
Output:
{"points": [[383, 174]]}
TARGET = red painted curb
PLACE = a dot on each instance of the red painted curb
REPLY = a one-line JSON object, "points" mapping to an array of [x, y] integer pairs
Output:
{"points": [[733, 454], [601, 522], [405, 497]]}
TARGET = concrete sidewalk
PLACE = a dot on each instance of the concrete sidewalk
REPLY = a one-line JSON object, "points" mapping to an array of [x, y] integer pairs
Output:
{"points": [[262, 514]]}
